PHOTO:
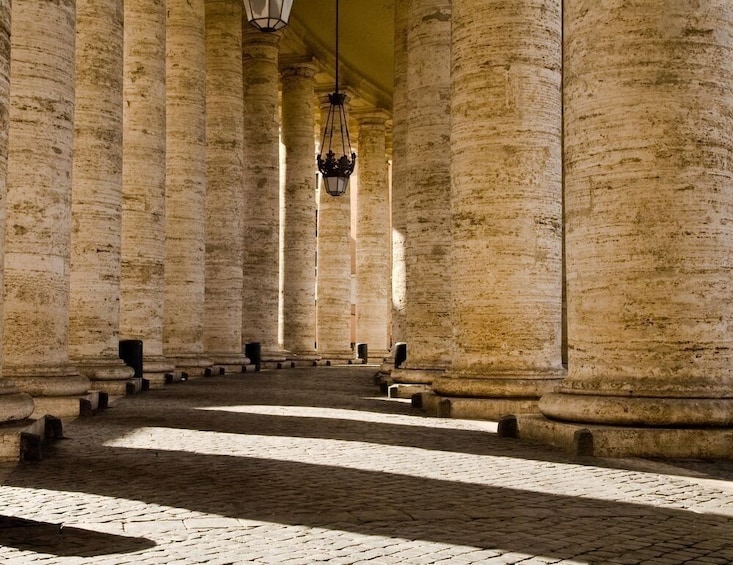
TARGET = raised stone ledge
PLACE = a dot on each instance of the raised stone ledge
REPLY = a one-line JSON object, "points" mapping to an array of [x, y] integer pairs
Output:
{"points": [[617, 441]]}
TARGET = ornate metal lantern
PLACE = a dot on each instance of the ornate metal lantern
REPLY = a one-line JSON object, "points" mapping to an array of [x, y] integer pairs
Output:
{"points": [[339, 162], [268, 15]]}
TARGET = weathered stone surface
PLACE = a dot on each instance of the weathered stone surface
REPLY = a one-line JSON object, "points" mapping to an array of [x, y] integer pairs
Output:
{"points": [[185, 185], [334, 270], [223, 327], [373, 245], [13, 404], [38, 230], [261, 187], [400, 202], [506, 199], [648, 209], [94, 307], [143, 181], [299, 214], [427, 270]]}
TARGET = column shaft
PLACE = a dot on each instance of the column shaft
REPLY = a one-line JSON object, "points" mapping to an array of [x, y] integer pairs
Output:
{"points": [[142, 282], [506, 201], [427, 190], [185, 192], [400, 202], [261, 215], [14, 405], [223, 329], [299, 219], [373, 244], [38, 229], [94, 312]]}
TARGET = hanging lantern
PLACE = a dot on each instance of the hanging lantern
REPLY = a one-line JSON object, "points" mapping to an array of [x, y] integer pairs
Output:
{"points": [[339, 162], [268, 15]]}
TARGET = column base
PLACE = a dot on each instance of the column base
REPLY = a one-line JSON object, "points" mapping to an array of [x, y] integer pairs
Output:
{"points": [[305, 359], [15, 406], [230, 363], [157, 372], [408, 375], [23, 440], [472, 408], [107, 375], [191, 366], [618, 441], [337, 357]]}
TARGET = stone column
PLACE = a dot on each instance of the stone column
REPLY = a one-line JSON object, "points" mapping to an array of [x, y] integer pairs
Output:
{"points": [[373, 241], [334, 270], [299, 221], [506, 201], [427, 192], [400, 203], [15, 406], [648, 116], [223, 328], [142, 282], [261, 214], [185, 192], [94, 309], [38, 230]]}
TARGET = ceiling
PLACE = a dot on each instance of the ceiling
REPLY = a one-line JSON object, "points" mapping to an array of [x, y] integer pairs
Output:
{"points": [[366, 40]]}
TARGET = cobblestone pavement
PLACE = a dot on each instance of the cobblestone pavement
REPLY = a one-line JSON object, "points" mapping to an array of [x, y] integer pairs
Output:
{"points": [[304, 466]]}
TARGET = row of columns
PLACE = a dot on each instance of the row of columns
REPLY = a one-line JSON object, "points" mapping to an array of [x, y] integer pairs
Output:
{"points": [[140, 172], [635, 104]]}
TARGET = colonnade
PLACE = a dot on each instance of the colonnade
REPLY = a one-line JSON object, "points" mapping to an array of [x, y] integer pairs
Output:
{"points": [[142, 200], [601, 141], [539, 147]]}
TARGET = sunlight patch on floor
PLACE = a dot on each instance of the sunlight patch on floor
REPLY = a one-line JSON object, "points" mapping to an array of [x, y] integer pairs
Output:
{"points": [[359, 416]]}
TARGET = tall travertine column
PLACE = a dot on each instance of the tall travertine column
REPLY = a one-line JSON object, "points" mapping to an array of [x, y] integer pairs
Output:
{"points": [[14, 405], [94, 310], [261, 213], [427, 193], [299, 221], [38, 228], [185, 191], [373, 238], [334, 270], [223, 328], [648, 207], [400, 203], [506, 201], [142, 282]]}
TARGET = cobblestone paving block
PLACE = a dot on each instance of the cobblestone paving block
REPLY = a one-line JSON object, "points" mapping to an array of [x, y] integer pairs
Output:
{"points": [[312, 466]]}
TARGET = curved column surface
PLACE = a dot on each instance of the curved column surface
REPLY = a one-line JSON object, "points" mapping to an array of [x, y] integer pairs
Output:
{"points": [[334, 271], [299, 215], [38, 227], [223, 327], [142, 283], [649, 208], [373, 243], [185, 186], [427, 243], [261, 188], [400, 202], [94, 310], [14, 405], [506, 199]]}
